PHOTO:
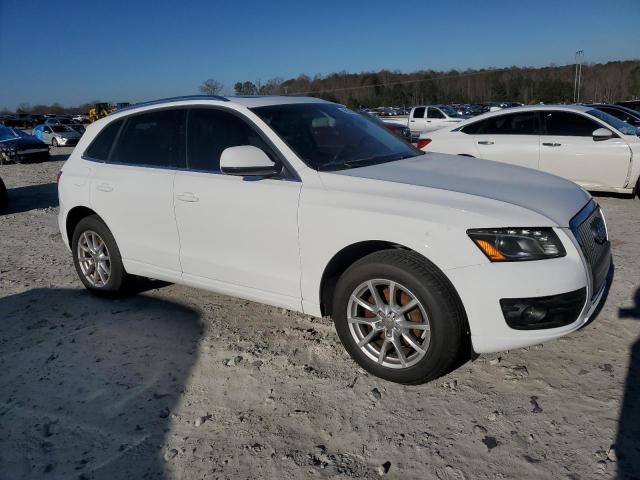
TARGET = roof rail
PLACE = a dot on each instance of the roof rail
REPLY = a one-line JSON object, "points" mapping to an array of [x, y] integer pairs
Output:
{"points": [[173, 99]]}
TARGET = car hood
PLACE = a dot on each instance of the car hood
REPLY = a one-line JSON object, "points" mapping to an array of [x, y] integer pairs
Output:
{"points": [[553, 197], [22, 143]]}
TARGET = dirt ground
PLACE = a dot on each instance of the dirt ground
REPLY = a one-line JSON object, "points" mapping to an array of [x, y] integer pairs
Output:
{"points": [[179, 383]]}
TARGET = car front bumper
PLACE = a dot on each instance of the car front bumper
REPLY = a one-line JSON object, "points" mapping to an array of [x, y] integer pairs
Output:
{"points": [[482, 287]]}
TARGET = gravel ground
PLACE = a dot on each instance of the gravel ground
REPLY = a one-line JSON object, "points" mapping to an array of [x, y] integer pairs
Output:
{"points": [[179, 383]]}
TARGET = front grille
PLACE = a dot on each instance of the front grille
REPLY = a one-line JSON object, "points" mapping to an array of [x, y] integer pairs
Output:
{"points": [[590, 231]]}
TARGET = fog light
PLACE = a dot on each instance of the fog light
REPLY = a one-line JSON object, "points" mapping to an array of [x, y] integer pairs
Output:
{"points": [[534, 313], [543, 312]]}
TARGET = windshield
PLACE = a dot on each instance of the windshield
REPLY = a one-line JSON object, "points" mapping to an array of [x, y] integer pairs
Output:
{"points": [[332, 137], [60, 128], [450, 111], [616, 123], [7, 134]]}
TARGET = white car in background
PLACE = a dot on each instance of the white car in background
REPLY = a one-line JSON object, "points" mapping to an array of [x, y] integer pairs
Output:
{"points": [[304, 204], [427, 118], [585, 145]]}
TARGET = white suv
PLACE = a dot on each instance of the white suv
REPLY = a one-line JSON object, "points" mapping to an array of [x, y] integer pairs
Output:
{"points": [[306, 205]]}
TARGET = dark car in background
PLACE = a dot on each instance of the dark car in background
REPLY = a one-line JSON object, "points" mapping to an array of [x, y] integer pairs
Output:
{"points": [[627, 115], [632, 104], [17, 146], [401, 131]]}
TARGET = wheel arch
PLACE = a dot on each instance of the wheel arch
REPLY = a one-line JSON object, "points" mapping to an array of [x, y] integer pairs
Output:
{"points": [[73, 218], [343, 259]]}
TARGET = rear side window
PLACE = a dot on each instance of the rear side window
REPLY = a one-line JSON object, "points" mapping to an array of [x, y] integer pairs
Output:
{"points": [[211, 131], [153, 139], [434, 113], [418, 112], [473, 128], [101, 145], [522, 123], [569, 124]]}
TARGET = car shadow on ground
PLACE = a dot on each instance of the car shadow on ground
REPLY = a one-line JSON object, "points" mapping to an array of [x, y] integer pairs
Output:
{"points": [[31, 197], [627, 444], [88, 384]]}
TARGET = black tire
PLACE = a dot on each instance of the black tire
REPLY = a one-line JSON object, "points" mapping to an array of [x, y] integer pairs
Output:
{"points": [[118, 278], [4, 196], [54, 142], [448, 324]]}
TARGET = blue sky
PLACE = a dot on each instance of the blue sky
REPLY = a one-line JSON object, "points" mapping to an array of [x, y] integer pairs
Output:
{"points": [[75, 51]]}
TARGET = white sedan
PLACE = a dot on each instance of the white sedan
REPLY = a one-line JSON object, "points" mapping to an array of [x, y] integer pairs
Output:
{"points": [[303, 204], [588, 146]]}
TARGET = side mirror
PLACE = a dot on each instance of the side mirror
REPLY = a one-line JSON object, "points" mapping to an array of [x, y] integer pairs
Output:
{"points": [[247, 161], [600, 134]]}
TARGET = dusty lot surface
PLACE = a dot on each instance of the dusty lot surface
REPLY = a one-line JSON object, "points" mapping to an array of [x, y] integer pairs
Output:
{"points": [[180, 383]]}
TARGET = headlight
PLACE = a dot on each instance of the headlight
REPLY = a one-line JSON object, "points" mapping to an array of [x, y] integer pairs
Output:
{"points": [[517, 244]]}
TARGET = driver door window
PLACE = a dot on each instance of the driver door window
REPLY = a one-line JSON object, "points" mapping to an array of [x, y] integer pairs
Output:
{"points": [[434, 113], [211, 131]]}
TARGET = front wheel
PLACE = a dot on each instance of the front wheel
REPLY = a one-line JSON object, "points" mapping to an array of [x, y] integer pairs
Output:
{"points": [[399, 318], [97, 258], [54, 142]]}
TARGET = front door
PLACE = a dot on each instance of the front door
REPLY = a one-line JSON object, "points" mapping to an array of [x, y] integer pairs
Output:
{"points": [[568, 149], [237, 235]]}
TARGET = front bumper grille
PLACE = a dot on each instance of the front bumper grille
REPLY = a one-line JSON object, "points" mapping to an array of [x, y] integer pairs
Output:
{"points": [[589, 228]]}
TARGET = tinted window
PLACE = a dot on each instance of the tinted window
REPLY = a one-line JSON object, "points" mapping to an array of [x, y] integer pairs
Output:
{"points": [[418, 112], [434, 113], [523, 123], [211, 131], [154, 138], [569, 124], [101, 145], [472, 128]]}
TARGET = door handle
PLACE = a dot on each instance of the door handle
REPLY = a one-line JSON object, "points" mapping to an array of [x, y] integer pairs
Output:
{"points": [[413, 120], [105, 187], [428, 121], [187, 197], [549, 144], [485, 142]]}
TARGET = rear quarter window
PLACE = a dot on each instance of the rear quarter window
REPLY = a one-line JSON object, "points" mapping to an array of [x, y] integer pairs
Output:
{"points": [[101, 145]]}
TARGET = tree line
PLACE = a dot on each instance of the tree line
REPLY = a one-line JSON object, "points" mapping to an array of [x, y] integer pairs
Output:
{"points": [[608, 82], [601, 82]]}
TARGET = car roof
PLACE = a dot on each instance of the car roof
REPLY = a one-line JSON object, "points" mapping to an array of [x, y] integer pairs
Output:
{"points": [[529, 108], [249, 101]]}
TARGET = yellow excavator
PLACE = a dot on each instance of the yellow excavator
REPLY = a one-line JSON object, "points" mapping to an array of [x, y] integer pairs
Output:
{"points": [[101, 110]]}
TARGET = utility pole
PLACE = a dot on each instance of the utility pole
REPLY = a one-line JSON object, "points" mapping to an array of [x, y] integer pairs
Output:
{"points": [[578, 76]]}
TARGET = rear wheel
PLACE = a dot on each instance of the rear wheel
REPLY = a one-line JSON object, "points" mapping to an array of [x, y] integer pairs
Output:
{"points": [[4, 196], [398, 317], [97, 258]]}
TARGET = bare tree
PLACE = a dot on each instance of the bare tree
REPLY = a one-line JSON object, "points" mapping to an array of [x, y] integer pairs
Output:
{"points": [[211, 87]]}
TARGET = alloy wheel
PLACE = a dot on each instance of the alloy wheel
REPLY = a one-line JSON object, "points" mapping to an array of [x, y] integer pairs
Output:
{"points": [[94, 259], [388, 323]]}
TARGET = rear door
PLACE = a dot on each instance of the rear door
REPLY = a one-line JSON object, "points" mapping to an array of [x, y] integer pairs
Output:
{"points": [[510, 138], [133, 190], [568, 149]]}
